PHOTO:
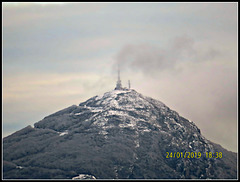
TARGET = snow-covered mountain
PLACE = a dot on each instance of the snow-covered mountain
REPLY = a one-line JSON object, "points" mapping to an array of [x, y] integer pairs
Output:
{"points": [[118, 135]]}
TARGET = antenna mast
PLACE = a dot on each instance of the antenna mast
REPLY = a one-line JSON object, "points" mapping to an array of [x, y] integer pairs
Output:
{"points": [[119, 84], [118, 73]]}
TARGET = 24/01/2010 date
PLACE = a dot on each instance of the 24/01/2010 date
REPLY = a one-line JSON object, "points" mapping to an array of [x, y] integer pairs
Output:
{"points": [[193, 155]]}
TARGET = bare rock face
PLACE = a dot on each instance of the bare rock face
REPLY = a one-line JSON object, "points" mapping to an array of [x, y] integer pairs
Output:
{"points": [[118, 135]]}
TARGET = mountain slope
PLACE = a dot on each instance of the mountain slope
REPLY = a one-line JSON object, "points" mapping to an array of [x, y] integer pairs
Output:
{"points": [[120, 134]]}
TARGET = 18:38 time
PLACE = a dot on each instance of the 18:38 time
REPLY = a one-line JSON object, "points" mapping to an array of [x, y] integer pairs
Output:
{"points": [[214, 155]]}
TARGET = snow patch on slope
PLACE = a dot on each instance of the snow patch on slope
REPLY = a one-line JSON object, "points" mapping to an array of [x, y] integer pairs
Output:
{"points": [[63, 133], [84, 176]]}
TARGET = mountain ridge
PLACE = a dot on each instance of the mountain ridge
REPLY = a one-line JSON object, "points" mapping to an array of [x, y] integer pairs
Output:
{"points": [[120, 134]]}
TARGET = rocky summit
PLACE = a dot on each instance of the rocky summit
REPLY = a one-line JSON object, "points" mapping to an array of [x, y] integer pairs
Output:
{"points": [[118, 135]]}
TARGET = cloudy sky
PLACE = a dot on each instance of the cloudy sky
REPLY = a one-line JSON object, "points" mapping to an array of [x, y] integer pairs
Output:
{"points": [[183, 54]]}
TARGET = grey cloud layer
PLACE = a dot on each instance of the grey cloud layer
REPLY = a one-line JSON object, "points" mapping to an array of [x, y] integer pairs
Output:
{"points": [[150, 58]]}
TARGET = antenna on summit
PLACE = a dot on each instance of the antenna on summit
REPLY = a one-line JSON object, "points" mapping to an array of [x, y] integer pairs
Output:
{"points": [[119, 84], [118, 74]]}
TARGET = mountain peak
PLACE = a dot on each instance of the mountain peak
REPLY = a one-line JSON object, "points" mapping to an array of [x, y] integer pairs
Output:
{"points": [[122, 99], [119, 134]]}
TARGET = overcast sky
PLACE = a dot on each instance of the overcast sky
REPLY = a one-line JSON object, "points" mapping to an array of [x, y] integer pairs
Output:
{"points": [[183, 54]]}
